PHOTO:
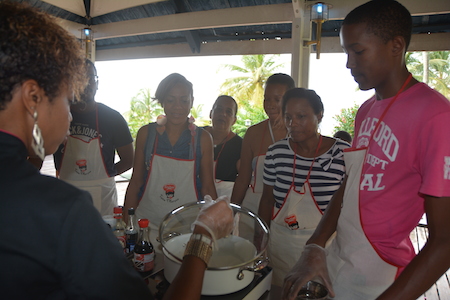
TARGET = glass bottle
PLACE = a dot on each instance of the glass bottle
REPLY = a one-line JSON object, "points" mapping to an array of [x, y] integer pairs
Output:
{"points": [[144, 254], [131, 231], [119, 230]]}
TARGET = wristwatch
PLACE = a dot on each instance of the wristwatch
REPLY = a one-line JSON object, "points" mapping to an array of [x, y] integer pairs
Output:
{"points": [[201, 246]]}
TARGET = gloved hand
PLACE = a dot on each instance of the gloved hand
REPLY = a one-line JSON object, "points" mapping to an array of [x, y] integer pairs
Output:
{"points": [[312, 263], [216, 217]]}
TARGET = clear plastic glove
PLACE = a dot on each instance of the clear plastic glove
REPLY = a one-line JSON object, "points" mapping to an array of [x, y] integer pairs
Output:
{"points": [[216, 217], [312, 263]]}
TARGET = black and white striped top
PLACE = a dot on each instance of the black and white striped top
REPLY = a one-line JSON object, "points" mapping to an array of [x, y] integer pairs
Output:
{"points": [[326, 175]]}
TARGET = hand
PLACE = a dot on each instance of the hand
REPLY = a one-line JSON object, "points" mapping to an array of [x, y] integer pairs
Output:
{"points": [[312, 263], [216, 217]]}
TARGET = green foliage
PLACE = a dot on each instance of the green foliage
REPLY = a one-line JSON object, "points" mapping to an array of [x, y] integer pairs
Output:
{"points": [[247, 88], [196, 112], [248, 85], [438, 62], [252, 114], [143, 110], [346, 119]]}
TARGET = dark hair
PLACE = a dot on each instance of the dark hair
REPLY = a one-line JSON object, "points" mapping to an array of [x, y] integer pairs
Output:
{"points": [[228, 97], [168, 83], [310, 95], [343, 135], [280, 78], [384, 18], [33, 46]]}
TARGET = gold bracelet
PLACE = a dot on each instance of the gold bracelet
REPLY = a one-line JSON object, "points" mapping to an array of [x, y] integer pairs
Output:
{"points": [[199, 246]]}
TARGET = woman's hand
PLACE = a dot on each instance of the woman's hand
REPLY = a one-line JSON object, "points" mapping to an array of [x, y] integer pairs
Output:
{"points": [[216, 217], [312, 263]]}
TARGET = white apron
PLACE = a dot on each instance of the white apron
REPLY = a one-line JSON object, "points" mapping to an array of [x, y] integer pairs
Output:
{"points": [[170, 184], [82, 165], [292, 225], [355, 268], [254, 192]]}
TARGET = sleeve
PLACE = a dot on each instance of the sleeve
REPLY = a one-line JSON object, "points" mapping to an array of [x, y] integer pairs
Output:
{"points": [[90, 260], [270, 175], [434, 156]]}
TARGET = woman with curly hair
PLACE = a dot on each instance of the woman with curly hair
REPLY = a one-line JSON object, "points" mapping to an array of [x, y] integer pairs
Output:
{"points": [[54, 242]]}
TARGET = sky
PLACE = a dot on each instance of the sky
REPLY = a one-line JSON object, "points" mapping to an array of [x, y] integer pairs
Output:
{"points": [[120, 81]]}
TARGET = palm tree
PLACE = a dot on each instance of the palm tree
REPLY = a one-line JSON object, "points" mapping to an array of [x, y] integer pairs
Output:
{"points": [[248, 87], [200, 120], [143, 110], [438, 65]]}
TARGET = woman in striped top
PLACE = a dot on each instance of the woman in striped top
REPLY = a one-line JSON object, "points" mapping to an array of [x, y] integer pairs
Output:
{"points": [[301, 174]]}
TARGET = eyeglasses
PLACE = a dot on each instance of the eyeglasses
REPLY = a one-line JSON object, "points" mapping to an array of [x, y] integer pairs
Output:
{"points": [[93, 77]]}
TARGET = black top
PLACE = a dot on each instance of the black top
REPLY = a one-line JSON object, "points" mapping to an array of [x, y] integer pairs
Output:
{"points": [[54, 243], [228, 156]]}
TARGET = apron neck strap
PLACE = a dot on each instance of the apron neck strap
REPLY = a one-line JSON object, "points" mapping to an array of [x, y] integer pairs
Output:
{"points": [[390, 104], [294, 167], [223, 145]]}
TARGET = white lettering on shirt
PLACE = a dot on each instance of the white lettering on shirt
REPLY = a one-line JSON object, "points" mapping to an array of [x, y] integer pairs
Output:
{"points": [[368, 182], [81, 132], [373, 161], [447, 167], [384, 137]]}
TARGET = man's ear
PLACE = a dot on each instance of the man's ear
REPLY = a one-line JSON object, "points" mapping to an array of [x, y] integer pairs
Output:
{"points": [[210, 114], [398, 46], [32, 95]]}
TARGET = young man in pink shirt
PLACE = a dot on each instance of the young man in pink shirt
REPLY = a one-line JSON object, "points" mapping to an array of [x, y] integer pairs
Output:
{"points": [[398, 168]]}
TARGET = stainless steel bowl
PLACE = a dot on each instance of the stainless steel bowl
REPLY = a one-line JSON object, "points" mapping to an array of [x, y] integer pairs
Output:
{"points": [[313, 290]]}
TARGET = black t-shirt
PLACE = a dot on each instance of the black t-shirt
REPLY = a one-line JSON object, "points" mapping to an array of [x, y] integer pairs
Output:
{"points": [[113, 130], [54, 243], [229, 153]]}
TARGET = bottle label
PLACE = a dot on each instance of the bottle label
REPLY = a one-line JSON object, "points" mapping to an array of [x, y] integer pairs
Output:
{"points": [[130, 247], [144, 262], [122, 240]]}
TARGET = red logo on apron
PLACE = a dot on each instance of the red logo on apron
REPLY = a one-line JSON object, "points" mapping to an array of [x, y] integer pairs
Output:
{"points": [[291, 221], [82, 167], [170, 192]]}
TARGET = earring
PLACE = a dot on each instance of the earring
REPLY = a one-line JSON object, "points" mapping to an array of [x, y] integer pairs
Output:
{"points": [[37, 144]]}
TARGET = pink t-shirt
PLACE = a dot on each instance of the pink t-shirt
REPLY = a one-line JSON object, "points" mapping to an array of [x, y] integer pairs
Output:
{"points": [[409, 156]]}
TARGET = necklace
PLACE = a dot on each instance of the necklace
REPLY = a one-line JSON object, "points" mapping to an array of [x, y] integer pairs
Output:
{"points": [[226, 137]]}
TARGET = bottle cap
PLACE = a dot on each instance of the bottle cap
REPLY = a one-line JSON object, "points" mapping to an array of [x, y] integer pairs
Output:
{"points": [[143, 223], [131, 211], [118, 210]]}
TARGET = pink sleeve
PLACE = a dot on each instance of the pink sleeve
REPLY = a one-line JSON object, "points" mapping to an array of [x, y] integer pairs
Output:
{"points": [[434, 156]]}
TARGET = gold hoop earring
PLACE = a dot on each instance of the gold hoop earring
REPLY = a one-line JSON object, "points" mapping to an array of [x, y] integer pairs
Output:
{"points": [[37, 144]]}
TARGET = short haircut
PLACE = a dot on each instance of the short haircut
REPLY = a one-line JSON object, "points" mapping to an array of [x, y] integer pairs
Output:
{"points": [[228, 97], [90, 63], [343, 135], [168, 83], [280, 78], [310, 95], [33, 46], [384, 18]]}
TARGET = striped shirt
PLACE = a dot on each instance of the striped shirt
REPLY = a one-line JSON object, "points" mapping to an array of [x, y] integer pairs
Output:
{"points": [[326, 175]]}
